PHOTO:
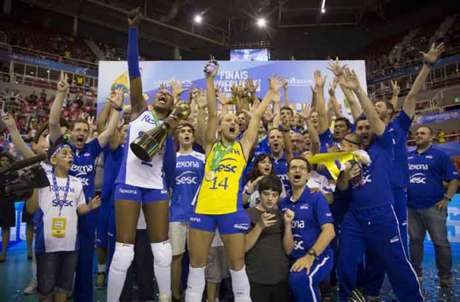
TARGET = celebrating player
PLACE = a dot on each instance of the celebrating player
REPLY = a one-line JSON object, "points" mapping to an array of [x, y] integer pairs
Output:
{"points": [[219, 201], [140, 183]]}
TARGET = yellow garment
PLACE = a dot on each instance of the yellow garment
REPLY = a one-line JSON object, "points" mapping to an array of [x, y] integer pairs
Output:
{"points": [[328, 160], [220, 189]]}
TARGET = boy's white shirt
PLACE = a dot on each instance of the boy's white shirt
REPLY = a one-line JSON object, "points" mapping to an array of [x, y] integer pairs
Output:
{"points": [[75, 198]]}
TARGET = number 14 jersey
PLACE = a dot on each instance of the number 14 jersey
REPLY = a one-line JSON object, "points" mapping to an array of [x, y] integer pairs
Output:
{"points": [[221, 189]]}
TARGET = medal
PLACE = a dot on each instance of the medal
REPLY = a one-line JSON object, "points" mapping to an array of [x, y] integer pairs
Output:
{"points": [[210, 175]]}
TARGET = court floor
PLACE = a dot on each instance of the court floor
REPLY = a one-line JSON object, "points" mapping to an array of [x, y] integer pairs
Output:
{"points": [[16, 271]]}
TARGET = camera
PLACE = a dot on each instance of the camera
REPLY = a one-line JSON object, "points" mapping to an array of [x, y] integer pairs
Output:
{"points": [[18, 181]]}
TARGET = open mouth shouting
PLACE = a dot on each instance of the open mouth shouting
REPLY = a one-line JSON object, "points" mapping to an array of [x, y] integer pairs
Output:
{"points": [[187, 139], [232, 130], [266, 170]]}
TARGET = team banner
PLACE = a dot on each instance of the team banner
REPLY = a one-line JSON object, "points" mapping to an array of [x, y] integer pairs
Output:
{"points": [[299, 74]]}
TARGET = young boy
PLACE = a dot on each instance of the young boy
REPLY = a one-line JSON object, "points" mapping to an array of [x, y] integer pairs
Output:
{"points": [[268, 243], [56, 225]]}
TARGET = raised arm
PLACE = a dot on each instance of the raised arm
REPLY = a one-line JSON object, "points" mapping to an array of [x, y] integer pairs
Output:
{"points": [[250, 135], [103, 116], [315, 143], [395, 89], [286, 94], [429, 59], [333, 100], [56, 107], [351, 81], [211, 70], [138, 104], [201, 117], [287, 142], [16, 137], [338, 72], [116, 101], [276, 110], [320, 104], [355, 107]]}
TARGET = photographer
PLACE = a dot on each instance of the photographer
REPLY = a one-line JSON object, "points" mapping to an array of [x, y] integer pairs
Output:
{"points": [[7, 211]]}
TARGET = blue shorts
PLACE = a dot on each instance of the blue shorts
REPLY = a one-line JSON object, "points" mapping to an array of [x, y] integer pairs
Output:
{"points": [[103, 222], [141, 195], [232, 223]]}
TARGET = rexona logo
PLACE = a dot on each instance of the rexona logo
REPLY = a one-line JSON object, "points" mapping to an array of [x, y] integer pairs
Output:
{"points": [[418, 178]]}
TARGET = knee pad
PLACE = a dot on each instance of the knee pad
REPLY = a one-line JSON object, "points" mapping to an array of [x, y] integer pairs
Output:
{"points": [[123, 256], [162, 253]]}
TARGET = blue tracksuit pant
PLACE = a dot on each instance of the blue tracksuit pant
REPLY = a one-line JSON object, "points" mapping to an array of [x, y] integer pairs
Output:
{"points": [[374, 273], [375, 229], [305, 287], [83, 291]]}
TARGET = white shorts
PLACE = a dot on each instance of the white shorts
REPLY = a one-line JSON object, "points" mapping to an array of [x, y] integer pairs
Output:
{"points": [[178, 233]]}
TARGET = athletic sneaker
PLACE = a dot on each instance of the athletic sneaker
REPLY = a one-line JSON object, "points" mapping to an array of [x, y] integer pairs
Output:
{"points": [[31, 288], [100, 280]]}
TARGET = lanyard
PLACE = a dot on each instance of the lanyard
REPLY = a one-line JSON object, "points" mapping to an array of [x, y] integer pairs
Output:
{"points": [[60, 202]]}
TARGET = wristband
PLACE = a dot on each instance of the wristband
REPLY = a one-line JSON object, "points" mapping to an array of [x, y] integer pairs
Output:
{"points": [[119, 109]]}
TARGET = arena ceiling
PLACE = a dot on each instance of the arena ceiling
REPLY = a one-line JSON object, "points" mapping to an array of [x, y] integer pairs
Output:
{"points": [[231, 23]]}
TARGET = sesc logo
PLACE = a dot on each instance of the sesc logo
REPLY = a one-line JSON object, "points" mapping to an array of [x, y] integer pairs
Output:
{"points": [[186, 178], [417, 178]]}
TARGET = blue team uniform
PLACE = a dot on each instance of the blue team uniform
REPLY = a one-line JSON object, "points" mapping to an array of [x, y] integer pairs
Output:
{"points": [[326, 140], [84, 167], [112, 162], [189, 175], [427, 171], [371, 223], [311, 213], [280, 166], [399, 129]]}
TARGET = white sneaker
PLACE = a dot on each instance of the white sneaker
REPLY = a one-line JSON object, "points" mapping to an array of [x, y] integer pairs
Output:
{"points": [[31, 288], [164, 298]]}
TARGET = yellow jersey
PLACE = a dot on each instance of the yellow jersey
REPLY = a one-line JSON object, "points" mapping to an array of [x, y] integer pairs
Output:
{"points": [[221, 189]]}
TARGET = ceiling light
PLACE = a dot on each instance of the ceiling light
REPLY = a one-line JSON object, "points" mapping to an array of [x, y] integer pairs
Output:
{"points": [[198, 19], [261, 22]]}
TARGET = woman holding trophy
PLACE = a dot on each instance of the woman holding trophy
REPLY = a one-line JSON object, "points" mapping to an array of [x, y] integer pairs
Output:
{"points": [[219, 201], [140, 182]]}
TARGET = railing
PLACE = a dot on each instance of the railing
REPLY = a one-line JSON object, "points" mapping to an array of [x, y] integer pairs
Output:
{"points": [[38, 82], [438, 78], [46, 55], [453, 137], [375, 73]]}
